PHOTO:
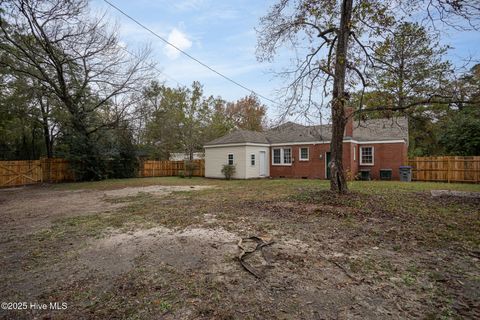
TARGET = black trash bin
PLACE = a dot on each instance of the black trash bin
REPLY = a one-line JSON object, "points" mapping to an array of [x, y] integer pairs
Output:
{"points": [[406, 173]]}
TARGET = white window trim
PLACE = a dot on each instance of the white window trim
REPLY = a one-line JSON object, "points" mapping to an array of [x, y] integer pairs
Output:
{"points": [[228, 159], [373, 156], [300, 154], [354, 153], [282, 163], [254, 160]]}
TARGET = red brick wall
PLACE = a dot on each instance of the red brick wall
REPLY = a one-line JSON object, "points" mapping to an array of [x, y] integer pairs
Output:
{"points": [[386, 156], [313, 168], [350, 162]]}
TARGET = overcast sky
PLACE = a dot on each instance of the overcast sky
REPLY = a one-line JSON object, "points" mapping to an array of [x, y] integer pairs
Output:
{"points": [[220, 34]]}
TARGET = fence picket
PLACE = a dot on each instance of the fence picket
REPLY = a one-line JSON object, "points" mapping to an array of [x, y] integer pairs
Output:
{"points": [[17, 173], [166, 168], [23, 172], [446, 169]]}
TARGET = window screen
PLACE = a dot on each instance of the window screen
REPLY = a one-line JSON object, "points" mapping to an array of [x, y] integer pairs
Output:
{"points": [[287, 155], [276, 156]]}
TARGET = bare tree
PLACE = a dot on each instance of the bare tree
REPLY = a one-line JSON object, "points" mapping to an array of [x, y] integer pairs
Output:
{"points": [[335, 42], [45, 107], [74, 56]]}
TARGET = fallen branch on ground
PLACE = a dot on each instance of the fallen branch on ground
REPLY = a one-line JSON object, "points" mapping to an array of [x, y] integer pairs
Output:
{"points": [[343, 269]]}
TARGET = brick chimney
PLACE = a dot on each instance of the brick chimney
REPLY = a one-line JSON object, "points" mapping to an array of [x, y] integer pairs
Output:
{"points": [[349, 125]]}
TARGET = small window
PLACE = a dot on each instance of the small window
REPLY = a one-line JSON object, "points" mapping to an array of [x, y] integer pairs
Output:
{"points": [[287, 156], [304, 154], [354, 153], [230, 159], [252, 159], [277, 159], [366, 155]]}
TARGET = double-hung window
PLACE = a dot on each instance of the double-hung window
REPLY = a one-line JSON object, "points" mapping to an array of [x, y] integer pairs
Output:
{"points": [[303, 154], [287, 155], [252, 159], [282, 156], [277, 156], [366, 156], [230, 159]]}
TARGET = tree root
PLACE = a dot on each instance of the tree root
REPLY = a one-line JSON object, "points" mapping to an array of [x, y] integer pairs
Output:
{"points": [[245, 253]]}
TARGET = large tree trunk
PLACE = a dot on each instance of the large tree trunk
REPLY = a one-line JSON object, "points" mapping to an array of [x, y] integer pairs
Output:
{"points": [[46, 138], [34, 154], [45, 110], [338, 181]]}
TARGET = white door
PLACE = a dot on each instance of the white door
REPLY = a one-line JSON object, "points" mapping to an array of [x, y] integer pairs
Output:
{"points": [[263, 164]]}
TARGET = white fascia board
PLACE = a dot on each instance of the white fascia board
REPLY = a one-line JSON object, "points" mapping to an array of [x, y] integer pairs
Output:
{"points": [[379, 141], [327, 142], [300, 143], [237, 145]]}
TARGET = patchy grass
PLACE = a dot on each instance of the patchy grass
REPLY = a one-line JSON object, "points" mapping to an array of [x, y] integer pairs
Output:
{"points": [[385, 250], [132, 182], [397, 186], [366, 186]]}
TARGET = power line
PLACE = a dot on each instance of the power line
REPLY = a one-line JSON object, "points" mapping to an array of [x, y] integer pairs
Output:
{"points": [[138, 57], [187, 54], [154, 67]]}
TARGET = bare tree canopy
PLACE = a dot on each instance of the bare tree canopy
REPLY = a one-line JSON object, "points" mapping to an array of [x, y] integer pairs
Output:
{"points": [[335, 45], [76, 58]]}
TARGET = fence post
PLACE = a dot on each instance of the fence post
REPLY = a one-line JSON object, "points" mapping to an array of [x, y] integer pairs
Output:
{"points": [[448, 169], [41, 169], [477, 167], [46, 170]]}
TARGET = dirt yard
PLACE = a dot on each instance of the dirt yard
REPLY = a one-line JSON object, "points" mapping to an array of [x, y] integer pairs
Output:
{"points": [[167, 248]]}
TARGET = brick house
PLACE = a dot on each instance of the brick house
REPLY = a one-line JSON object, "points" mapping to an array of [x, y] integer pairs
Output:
{"points": [[372, 149]]}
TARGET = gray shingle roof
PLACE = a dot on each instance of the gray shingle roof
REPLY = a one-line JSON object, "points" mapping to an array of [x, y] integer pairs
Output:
{"points": [[381, 129], [368, 130], [293, 132], [240, 136]]}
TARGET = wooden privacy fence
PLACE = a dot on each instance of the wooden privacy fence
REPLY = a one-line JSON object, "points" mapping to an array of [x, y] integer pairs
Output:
{"points": [[57, 170], [23, 172], [446, 169], [156, 168], [15, 173]]}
